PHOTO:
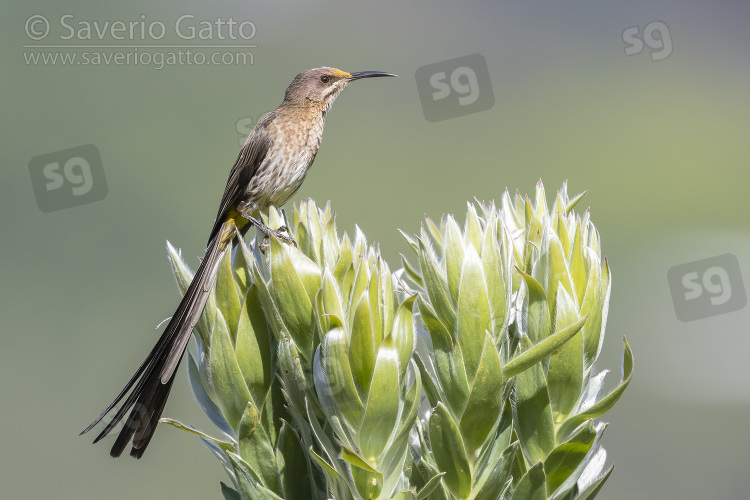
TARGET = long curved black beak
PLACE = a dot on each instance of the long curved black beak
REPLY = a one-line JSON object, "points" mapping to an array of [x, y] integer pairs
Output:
{"points": [[367, 74]]}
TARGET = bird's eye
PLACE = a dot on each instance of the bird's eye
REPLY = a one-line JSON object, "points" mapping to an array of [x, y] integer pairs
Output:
{"points": [[324, 79]]}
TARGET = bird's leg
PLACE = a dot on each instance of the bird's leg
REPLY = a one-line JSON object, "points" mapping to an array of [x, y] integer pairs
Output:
{"points": [[267, 231]]}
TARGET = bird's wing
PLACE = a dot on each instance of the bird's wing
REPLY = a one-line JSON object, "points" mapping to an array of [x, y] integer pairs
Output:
{"points": [[248, 161]]}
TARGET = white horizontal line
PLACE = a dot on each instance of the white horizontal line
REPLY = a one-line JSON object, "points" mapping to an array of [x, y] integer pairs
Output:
{"points": [[140, 46]]}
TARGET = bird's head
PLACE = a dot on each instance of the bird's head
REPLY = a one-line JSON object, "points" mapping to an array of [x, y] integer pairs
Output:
{"points": [[320, 86]]}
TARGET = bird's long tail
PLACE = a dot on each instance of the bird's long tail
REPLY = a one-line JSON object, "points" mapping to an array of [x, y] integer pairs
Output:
{"points": [[153, 380]]}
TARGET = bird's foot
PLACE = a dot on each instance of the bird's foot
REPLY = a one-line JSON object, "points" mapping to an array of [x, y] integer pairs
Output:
{"points": [[268, 232], [276, 233]]}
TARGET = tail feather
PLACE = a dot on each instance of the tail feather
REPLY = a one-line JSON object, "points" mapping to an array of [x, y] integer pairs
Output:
{"points": [[153, 380]]}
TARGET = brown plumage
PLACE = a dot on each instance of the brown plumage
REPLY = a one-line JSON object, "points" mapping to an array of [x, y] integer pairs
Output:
{"points": [[270, 168]]}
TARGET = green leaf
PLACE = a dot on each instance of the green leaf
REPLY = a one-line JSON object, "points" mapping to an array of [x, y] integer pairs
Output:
{"points": [[331, 295], [437, 286], [241, 267], [204, 400], [227, 299], [539, 351], [538, 322], [184, 277], [495, 267], [337, 483], [453, 256], [430, 486], [272, 314], [435, 232], [532, 414], [430, 389], [595, 303], [292, 376], [492, 482], [295, 280], [253, 351], [565, 371], [368, 481], [362, 349], [603, 405], [448, 361], [532, 485], [449, 451], [485, 402], [577, 265], [594, 488], [229, 493], [403, 333], [330, 242], [564, 459], [572, 203], [412, 272], [393, 461], [377, 313], [225, 377], [561, 229], [294, 468], [224, 445], [338, 381], [557, 273], [359, 285], [249, 481], [473, 317], [382, 408], [473, 230], [346, 258], [256, 449]]}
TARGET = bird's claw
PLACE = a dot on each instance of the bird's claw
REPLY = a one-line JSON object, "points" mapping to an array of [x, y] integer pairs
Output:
{"points": [[277, 233]]}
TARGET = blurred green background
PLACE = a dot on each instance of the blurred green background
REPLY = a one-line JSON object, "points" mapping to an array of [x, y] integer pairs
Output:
{"points": [[661, 145]]}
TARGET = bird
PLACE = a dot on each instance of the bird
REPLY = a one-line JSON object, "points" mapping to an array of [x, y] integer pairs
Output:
{"points": [[270, 168]]}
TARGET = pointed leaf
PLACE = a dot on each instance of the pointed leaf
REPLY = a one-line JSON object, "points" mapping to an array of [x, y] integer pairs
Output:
{"points": [[368, 481], [539, 323], [227, 299], [296, 479], [228, 493], [594, 488], [437, 286], [449, 451], [256, 449], [532, 485], [225, 376], [539, 351], [362, 348], [603, 405], [204, 400], [473, 317], [253, 351], [485, 402], [295, 280], [403, 333], [453, 256], [382, 408], [338, 380], [532, 413], [184, 277], [564, 459], [223, 445], [565, 371]]}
